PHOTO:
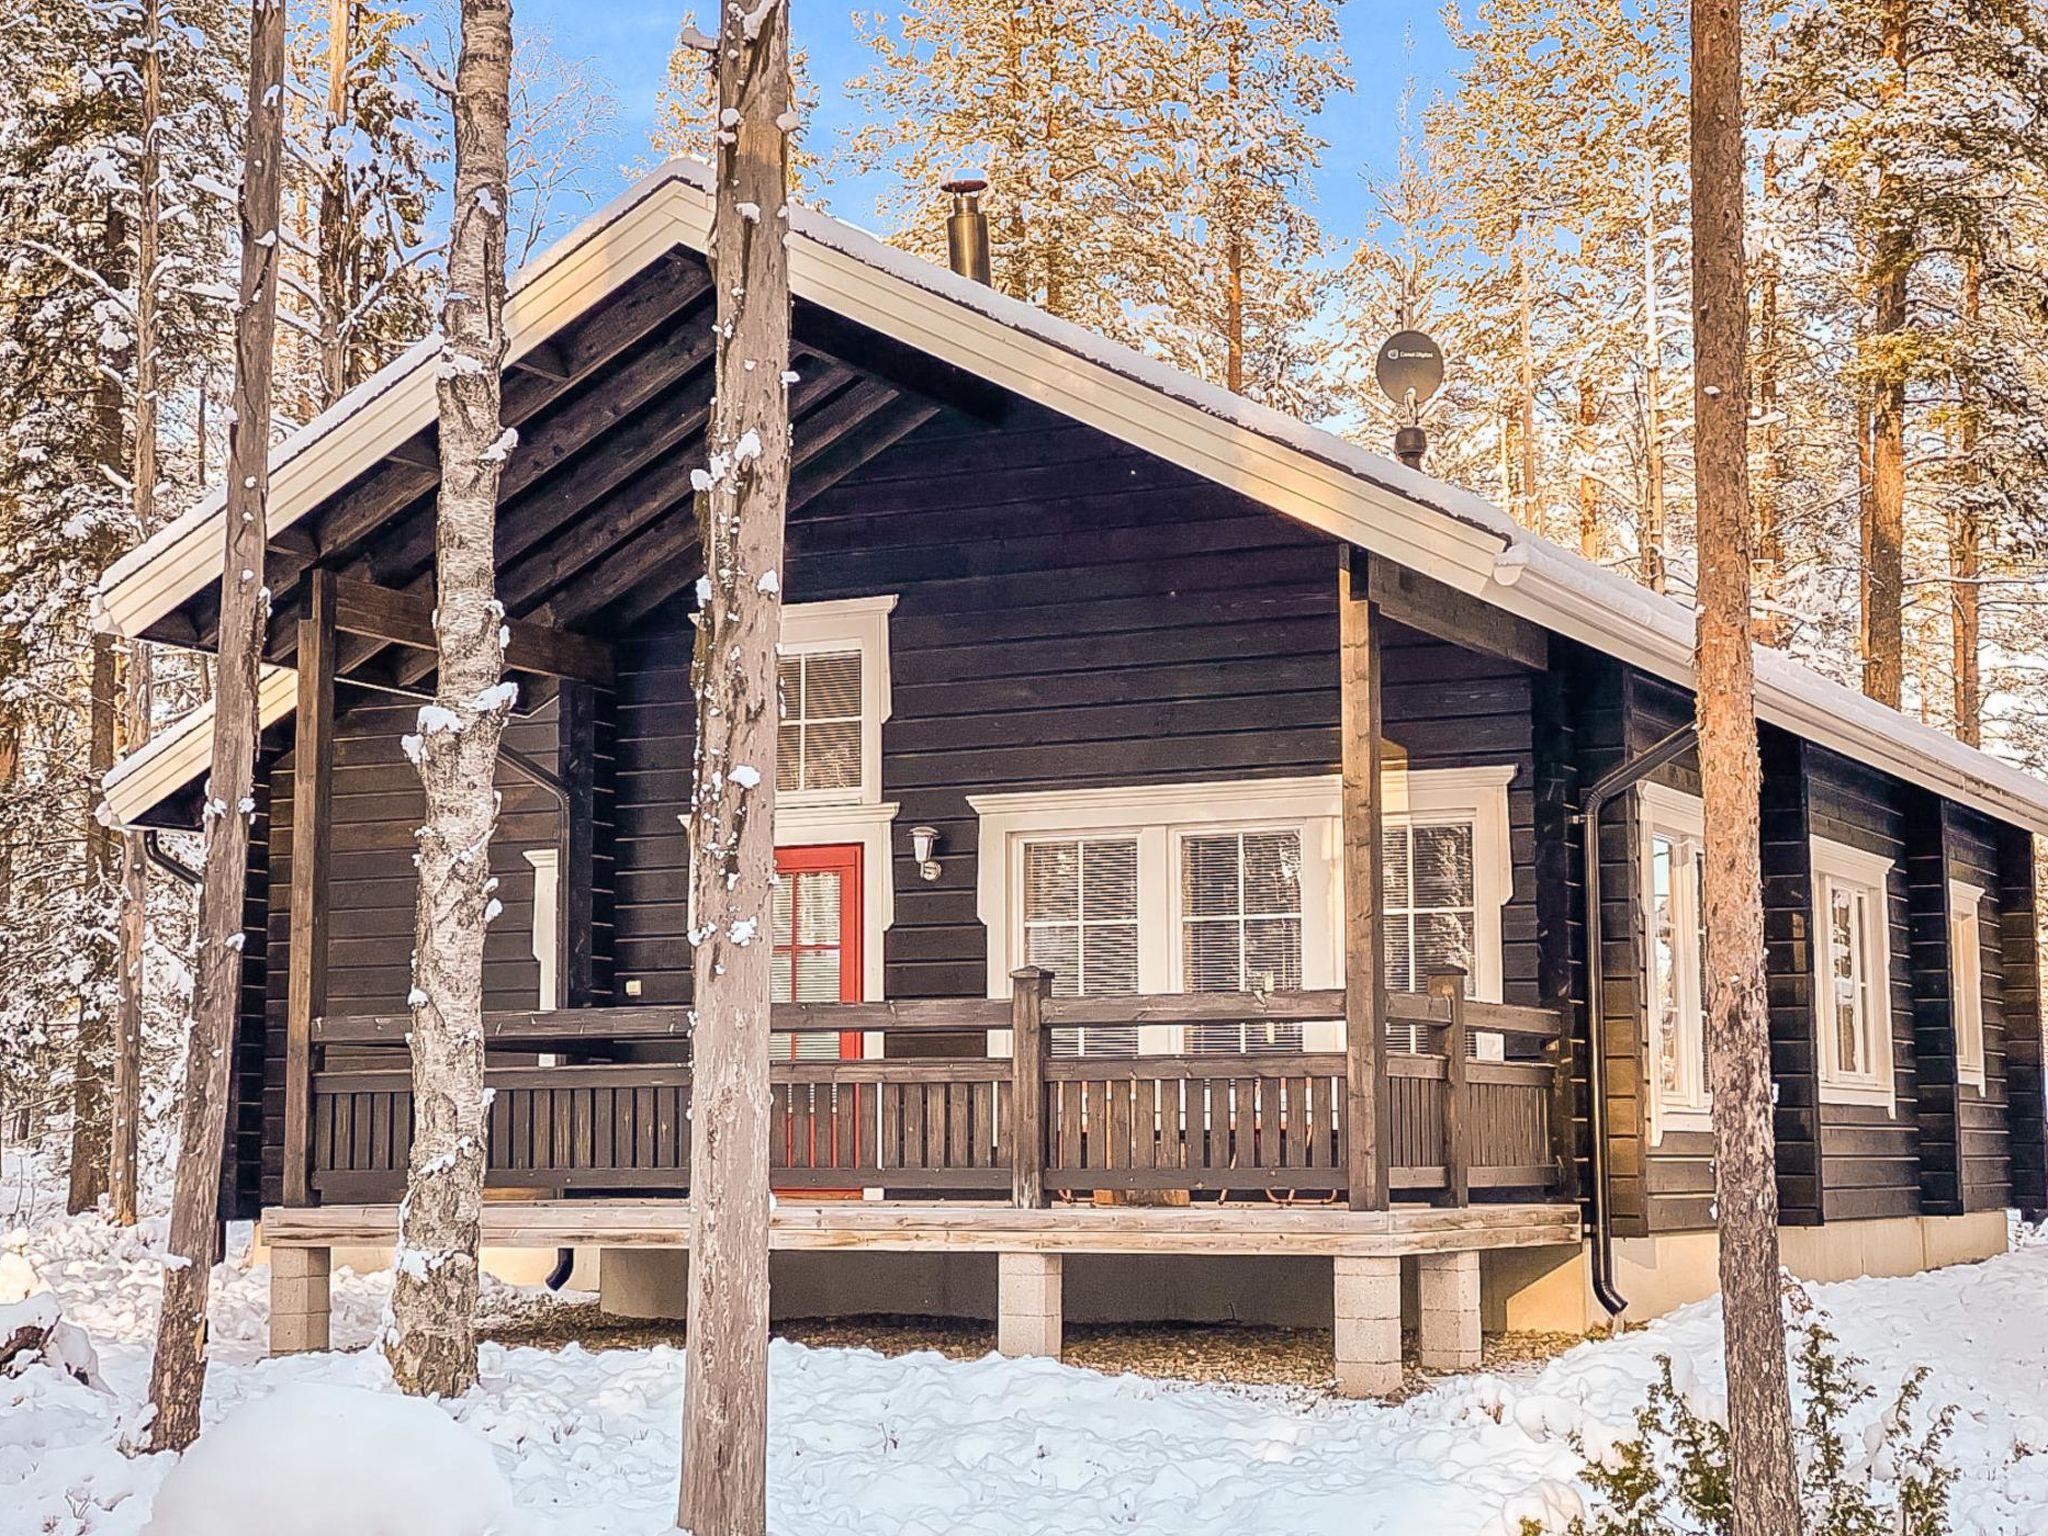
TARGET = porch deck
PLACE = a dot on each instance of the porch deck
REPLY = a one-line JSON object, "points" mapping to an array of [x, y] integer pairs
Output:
{"points": [[1019, 1149]]}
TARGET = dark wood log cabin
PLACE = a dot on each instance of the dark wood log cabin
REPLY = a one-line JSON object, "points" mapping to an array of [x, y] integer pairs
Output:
{"points": [[1092, 669]]}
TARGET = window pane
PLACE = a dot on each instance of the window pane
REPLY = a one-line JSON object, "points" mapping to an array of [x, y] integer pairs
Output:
{"points": [[1394, 867], [780, 987], [1211, 961], [818, 978], [1442, 939], [790, 685], [1443, 866], [779, 906], [1664, 964], [1272, 954], [1208, 875], [1056, 948], [831, 685], [817, 909], [1109, 883], [1272, 873], [1052, 881], [1842, 946], [1400, 955], [1109, 961], [832, 755], [789, 756]]}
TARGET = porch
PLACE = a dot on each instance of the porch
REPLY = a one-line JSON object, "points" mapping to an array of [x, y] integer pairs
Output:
{"points": [[1027, 1151]]}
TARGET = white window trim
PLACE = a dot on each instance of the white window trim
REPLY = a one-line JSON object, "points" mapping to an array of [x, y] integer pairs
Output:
{"points": [[1159, 815], [1966, 981], [547, 925], [845, 624], [1853, 866], [1675, 813]]}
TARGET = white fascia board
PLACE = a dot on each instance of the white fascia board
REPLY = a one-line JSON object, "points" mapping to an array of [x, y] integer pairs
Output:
{"points": [[174, 758]]}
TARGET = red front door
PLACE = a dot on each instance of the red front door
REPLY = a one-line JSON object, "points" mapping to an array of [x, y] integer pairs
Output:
{"points": [[818, 941]]}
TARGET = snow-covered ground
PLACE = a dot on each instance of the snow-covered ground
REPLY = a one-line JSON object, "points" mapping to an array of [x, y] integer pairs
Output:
{"points": [[588, 1442]]}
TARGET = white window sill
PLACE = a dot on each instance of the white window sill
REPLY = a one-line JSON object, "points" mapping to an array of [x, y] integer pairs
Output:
{"points": [[1974, 1080], [1688, 1120], [1862, 1095]]}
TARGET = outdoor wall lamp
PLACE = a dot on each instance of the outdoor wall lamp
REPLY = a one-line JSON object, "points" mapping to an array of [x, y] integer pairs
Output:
{"points": [[923, 842]]}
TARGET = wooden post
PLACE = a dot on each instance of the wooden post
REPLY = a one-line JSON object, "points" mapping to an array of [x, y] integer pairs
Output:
{"points": [[1365, 1002], [1029, 1050], [312, 794], [1449, 985]]}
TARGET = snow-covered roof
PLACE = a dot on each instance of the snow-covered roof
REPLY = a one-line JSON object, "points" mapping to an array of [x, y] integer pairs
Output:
{"points": [[1297, 470]]}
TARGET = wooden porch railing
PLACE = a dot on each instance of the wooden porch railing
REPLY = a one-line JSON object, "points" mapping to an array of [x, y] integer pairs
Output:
{"points": [[1024, 1126]]}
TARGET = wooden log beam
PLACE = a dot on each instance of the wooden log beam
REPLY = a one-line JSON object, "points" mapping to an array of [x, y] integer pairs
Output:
{"points": [[575, 760], [1030, 1048], [1365, 1100], [312, 796], [1431, 608], [380, 614]]}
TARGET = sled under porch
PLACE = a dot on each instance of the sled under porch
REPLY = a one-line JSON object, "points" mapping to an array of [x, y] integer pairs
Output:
{"points": [[1032, 1256]]}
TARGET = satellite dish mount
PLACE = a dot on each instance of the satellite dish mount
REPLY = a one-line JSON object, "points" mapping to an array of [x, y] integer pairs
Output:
{"points": [[1410, 369]]}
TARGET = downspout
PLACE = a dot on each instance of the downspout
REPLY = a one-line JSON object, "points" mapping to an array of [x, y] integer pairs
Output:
{"points": [[529, 768], [170, 864], [1616, 781]]}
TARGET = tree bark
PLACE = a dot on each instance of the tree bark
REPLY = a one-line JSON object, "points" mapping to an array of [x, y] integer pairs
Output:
{"points": [[134, 928], [92, 1063], [744, 497], [179, 1377], [1652, 538], [432, 1342], [335, 231], [1885, 580], [1589, 483], [1966, 549], [1764, 1476]]}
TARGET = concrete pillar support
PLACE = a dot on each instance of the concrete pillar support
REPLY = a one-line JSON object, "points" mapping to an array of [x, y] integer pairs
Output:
{"points": [[1448, 1292], [1368, 1333], [298, 1300], [1029, 1304]]}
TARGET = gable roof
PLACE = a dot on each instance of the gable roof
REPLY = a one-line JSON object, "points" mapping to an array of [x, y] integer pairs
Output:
{"points": [[1294, 469]]}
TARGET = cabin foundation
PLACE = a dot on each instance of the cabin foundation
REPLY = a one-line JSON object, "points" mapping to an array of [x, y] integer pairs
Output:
{"points": [[299, 1300], [1448, 1305], [1367, 1336], [1029, 1303]]}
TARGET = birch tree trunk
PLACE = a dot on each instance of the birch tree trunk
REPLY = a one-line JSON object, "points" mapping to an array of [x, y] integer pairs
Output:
{"points": [[1764, 1477], [743, 497], [432, 1341], [179, 1378], [134, 929]]}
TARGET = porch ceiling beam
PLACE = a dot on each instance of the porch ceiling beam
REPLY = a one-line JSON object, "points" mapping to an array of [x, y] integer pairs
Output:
{"points": [[824, 458], [407, 619], [1429, 607], [599, 529]]}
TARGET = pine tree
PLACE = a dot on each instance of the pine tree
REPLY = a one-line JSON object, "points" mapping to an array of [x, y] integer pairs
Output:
{"points": [[1056, 106], [1245, 278]]}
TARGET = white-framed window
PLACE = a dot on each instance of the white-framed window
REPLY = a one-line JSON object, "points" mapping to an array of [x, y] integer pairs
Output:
{"points": [[1852, 963], [1238, 883], [832, 670], [1673, 841], [1966, 979]]}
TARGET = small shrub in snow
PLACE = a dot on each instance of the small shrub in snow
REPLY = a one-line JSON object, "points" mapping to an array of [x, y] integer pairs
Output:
{"points": [[1672, 1479]]}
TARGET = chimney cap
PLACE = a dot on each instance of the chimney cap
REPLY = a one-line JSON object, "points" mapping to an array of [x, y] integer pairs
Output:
{"points": [[964, 186]]}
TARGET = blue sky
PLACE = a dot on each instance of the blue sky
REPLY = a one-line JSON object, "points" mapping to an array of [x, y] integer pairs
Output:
{"points": [[629, 41]]}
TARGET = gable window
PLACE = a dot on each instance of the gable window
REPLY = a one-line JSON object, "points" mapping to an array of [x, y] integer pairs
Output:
{"points": [[1966, 979], [1240, 929], [1673, 882], [1081, 923], [1853, 975], [832, 672]]}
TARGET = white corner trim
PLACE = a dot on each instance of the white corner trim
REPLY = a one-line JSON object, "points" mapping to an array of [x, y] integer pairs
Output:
{"points": [[547, 914], [1853, 866], [1665, 809], [1966, 904], [872, 827]]}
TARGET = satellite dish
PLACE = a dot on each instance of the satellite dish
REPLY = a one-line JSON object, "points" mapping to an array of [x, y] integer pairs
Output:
{"points": [[1410, 368]]}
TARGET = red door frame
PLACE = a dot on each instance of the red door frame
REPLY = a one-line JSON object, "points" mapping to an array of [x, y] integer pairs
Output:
{"points": [[843, 860]]}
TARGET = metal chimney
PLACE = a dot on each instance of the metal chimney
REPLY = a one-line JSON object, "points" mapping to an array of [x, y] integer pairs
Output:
{"points": [[967, 229]]}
